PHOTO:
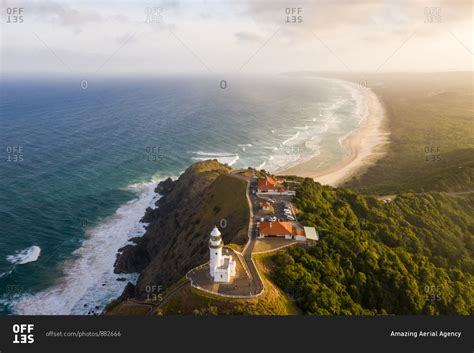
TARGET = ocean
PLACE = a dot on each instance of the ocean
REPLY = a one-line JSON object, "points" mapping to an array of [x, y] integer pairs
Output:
{"points": [[79, 163]]}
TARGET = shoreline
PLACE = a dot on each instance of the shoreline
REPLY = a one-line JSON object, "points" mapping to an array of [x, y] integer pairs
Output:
{"points": [[363, 148]]}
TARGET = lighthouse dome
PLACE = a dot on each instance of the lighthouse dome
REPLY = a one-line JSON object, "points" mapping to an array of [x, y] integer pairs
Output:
{"points": [[215, 241], [215, 232]]}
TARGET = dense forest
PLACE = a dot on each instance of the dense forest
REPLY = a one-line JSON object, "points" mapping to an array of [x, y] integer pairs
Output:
{"points": [[413, 255]]}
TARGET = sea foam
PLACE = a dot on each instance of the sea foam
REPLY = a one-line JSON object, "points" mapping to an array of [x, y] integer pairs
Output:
{"points": [[222, 157], [89, 281], [25, 256]]}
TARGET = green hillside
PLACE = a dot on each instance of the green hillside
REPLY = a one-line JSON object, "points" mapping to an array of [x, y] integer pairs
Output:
{"points": [[413, 255]]}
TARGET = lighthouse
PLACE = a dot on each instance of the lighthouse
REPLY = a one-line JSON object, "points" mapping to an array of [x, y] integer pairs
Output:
{"points": [[221, 267], [215, 249]]}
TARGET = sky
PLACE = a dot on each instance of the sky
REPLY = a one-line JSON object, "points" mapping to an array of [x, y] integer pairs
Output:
{"points": [[149, 38]]}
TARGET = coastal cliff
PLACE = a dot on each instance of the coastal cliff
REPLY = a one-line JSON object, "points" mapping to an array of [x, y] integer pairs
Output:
{"points": [[175, 241]]}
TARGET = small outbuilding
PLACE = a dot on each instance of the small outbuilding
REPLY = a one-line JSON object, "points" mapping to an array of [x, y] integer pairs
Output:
{"points": [[311, 234]]}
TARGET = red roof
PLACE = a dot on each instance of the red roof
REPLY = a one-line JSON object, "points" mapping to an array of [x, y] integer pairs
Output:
{"points": [[299, 232], [267, 183], [265, 204], [275, 228]]}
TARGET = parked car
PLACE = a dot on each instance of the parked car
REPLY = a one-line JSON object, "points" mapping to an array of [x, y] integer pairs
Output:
{"points": [[291, 218]]}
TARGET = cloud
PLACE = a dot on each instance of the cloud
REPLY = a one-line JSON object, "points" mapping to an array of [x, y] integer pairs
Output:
{"points": [[354, 17], [62, 14]]}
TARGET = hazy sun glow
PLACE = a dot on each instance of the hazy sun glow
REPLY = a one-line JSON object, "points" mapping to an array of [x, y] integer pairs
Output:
{"points": [[172, 37]]}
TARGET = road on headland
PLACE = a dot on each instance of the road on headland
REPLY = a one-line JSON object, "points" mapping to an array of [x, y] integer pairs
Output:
{"points": [[251, 233], [152, 307], [251, 269]]}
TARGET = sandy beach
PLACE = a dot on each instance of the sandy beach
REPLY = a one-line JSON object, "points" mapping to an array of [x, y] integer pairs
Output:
{"points": [[364, 147]]}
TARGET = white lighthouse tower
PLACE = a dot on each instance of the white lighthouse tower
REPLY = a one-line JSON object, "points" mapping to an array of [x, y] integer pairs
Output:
{"points": [[221, 268], [215, 248]]}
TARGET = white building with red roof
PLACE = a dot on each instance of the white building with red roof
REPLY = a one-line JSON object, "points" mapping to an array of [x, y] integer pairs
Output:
{"points": [[272, 186], [285, 230]]}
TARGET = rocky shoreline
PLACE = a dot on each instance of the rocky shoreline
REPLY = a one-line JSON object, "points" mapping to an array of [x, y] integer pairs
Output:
{"points": [[177, 229]]}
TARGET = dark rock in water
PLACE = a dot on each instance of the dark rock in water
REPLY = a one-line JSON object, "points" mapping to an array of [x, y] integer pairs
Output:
{"points": [[121, 279], [165, 187], [96, 307], [135, 239], [132, 259], [150, 215], [85, 305], [103, 284], [128, 292]]}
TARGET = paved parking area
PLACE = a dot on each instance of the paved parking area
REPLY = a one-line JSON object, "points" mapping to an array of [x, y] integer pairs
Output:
{"points": [[278, 202]]}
